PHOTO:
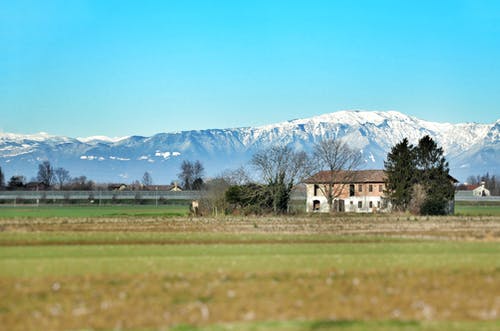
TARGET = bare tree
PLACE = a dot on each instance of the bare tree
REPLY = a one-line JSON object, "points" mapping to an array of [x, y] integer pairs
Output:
{"points": [[191, 175], [213, 196], [186, 174], [147, 180], [46, 173], [62, 176], [281, 168], [237, 176], [338, 161], [214, 191], [81, 183]]}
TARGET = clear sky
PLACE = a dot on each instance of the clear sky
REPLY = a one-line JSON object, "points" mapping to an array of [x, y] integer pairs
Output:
{"points": [[103, 67]]}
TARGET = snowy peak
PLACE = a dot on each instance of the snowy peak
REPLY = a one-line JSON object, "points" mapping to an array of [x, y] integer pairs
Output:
{"points": [[42, 136], [493, 135], [356, 117], [101, 139]]}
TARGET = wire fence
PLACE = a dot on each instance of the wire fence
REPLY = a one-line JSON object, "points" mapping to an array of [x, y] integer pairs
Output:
{"points": [[111, 195], [59, 196]]}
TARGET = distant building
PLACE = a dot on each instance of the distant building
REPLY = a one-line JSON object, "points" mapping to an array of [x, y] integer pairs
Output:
{"points": [[175, 188], [481, 191], [117, 187], [36, 186], [172, 188]]}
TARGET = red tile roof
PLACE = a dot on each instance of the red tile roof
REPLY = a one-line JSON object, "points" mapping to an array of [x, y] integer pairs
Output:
{"points": [[356, 176]]}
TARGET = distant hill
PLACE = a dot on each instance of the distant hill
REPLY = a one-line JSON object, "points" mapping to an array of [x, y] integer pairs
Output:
{"points": [[470, 148]]}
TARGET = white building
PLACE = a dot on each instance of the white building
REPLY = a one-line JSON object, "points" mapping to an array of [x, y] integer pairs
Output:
{"points": [[481, 191]]}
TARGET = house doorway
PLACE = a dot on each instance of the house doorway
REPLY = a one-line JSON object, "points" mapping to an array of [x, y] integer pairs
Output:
{"points": [[339, 205], [316, 205]]}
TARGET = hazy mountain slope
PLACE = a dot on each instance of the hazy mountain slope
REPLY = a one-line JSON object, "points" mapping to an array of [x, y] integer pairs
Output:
{"points": [[471, 148]]}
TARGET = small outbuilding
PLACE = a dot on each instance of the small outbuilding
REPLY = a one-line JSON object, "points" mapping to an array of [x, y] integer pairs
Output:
{"points": [[481, 191]]}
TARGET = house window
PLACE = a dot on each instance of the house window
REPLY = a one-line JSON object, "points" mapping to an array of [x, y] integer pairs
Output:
{"points": [[370, 188], [380, 188], [316, 205], [360, 188], [371, 204], [378, 204], [351, 190], [316, 189], [360, 204]]}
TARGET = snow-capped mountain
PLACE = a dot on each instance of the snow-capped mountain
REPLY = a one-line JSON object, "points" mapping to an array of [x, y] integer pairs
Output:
{"points": [[470, 148]]}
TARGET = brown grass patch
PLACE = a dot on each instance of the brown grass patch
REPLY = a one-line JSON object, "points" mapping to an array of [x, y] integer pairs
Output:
{"points": [[463, 228]]}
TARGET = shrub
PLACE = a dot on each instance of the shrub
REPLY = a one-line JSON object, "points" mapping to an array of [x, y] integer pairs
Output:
{"points": [[433, 207]]}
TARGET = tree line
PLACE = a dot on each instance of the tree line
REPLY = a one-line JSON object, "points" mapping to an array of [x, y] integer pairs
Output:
{"points": [[47, 177]]}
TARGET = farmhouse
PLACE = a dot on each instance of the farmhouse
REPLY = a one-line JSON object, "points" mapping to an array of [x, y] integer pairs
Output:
{"points": [[359, 191]]}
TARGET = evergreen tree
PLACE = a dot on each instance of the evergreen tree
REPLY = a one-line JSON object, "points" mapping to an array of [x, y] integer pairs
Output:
{"points": [[420, 176], [401, 176], [2, 179], [433, 175], [16, 183]]}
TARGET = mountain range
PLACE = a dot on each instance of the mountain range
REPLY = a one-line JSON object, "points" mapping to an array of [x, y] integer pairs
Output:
{"points": [[470, 148]]}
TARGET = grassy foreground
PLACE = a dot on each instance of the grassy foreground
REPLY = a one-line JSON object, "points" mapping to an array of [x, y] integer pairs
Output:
{"points": [[250, 274]]}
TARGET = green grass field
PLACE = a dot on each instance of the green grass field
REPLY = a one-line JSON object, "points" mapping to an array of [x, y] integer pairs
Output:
{"points": [[161, 273], [46, 211], [63, 260], [476, 209], [124, 210]]}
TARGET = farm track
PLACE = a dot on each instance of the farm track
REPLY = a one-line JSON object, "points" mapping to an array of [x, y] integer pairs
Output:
{"points": [[460, 228]]}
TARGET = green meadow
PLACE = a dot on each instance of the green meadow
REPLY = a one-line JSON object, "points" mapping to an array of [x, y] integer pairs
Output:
{"points": [[46, 211], [462, 208], [477, 208], [53, 260]]}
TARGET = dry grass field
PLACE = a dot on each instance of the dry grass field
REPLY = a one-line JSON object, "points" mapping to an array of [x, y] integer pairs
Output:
{"points": [[374, 272]]}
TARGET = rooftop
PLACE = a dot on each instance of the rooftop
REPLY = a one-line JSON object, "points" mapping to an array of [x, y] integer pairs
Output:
{"points": [[341, 176]]}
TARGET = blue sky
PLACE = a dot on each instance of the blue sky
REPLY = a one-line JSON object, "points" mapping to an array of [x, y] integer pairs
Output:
{"points": [[82, 68]]}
